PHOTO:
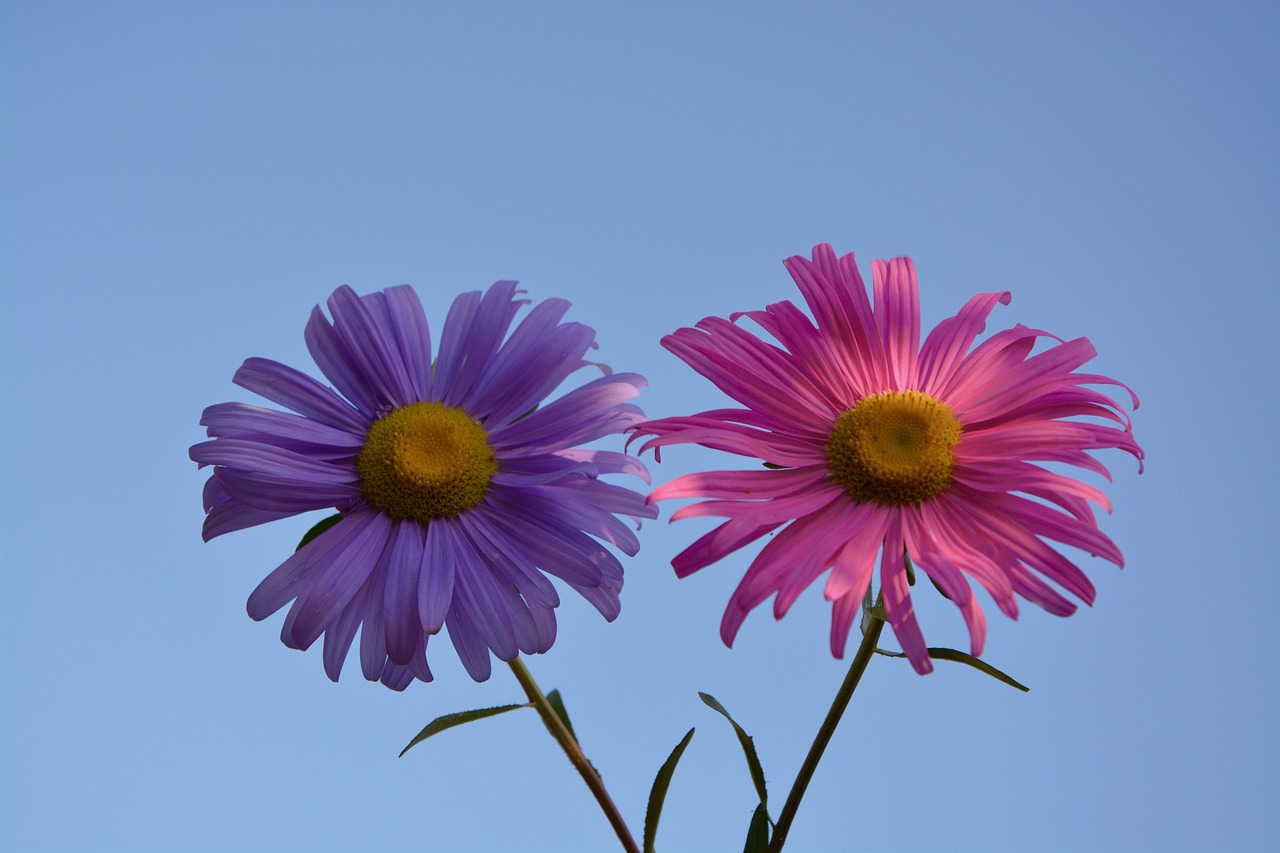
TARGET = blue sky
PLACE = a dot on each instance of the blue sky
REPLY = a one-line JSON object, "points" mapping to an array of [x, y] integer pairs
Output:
{"points": [[180, 183]]}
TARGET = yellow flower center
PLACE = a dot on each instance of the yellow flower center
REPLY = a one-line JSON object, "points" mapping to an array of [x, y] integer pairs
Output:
{"points": [[894, 448], [425, 461]]}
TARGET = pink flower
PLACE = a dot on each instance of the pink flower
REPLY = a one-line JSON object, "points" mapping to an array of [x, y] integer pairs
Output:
{"points": [[876, 444]]}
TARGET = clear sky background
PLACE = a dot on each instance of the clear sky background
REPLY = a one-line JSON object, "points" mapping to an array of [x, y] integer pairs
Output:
{"points": [[180, 183]]}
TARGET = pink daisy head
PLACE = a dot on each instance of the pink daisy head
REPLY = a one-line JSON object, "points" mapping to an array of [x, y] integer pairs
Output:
{"points": [[460, 488], [878, 445]]}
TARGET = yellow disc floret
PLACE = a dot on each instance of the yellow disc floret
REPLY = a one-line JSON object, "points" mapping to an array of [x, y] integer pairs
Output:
{"points": [[425, 461], [894, 448]]}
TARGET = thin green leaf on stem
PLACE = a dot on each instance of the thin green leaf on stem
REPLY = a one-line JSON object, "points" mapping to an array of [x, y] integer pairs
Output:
{"points": [[557, 705], [658, 794], [448, 721], [748, 749], [758, 832], [967, 659]]}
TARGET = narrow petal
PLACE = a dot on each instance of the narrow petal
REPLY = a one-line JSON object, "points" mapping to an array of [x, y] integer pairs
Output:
{"points": [[373, 629], [226, 514], [835, 293], [467, 642], [282, 384], [586, 413], [372, 346], [338, 364], [293, 432], [608, 462], [855, 562], [472, 333], [835, 378], [292, 576], [335, 581], [400, 595], [724, 540], [789, 563], [340, 634], [436, 574], [539, 355], [844, 610], [492, 614], [400, 313], [509, 558], [716, 430], [761, 376], [898, 608], [897, 313], [763, 512], [919, 542], [742, 485], [947, 344]]}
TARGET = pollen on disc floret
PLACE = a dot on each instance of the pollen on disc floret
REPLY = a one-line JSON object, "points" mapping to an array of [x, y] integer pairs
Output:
{"points": [[425, 461], [894, 448]]}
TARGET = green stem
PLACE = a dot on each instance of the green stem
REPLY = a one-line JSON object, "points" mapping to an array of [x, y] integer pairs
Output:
{"points": [[570, 746], [859, 665]]}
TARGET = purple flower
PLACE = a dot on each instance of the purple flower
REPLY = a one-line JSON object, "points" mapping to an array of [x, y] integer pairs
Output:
{"points": [[458, 491]]}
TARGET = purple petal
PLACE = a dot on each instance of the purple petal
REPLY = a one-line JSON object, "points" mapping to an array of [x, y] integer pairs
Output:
{"points": [[275, 479], [400, 597], [338, 364], [468, 643], [436, 574], [372, 346], [609, 462], [373, 637], [586, 413], [226, 514], [400, 314], [472, 333], [282, 384], [289, 579], [339, 635], [293, 432], [539, 355], [508, 557], [337, 579]]}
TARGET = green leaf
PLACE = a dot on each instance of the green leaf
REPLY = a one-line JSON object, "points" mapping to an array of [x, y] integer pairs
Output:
{"points": [[758, 833], [659, 792], [748, 748], [961, 657], [557, 705], [978, 664], [318, 529], [448, 721]]}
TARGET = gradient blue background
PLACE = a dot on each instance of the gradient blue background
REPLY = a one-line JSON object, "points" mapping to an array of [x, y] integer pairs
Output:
{"points": [[182, 182]]}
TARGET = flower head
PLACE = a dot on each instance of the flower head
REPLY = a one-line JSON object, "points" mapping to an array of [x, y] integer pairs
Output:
{"points": [[880, 445], [458, 491]]}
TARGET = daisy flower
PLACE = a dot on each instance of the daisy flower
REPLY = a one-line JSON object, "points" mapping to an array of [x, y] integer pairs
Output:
{"points": [[879, 445], [458, 491]]}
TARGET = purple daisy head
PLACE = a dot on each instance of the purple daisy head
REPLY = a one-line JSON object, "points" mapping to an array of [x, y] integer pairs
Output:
{"points": [[458, 490], [880, 445]]}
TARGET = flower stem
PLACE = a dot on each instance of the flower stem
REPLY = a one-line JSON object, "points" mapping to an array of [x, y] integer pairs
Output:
{"points": [[570, 746], [869, 639]]}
